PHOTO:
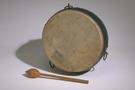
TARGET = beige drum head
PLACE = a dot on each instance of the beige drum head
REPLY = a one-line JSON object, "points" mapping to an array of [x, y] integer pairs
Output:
{"points": [[72, 40]]}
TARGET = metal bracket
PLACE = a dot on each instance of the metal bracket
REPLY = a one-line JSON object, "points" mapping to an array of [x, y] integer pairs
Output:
{"points": [[105, 56], [92, 69], [68, 6], [51, 65]]}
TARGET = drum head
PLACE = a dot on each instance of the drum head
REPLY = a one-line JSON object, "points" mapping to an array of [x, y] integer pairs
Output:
{"points": [[73, 41]]}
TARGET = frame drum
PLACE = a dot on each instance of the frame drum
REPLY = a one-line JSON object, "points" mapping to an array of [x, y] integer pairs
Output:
{"points": [[74, 39]]}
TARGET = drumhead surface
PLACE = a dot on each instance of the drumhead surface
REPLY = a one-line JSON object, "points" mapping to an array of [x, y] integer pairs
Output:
{"points": [[72, 40]]}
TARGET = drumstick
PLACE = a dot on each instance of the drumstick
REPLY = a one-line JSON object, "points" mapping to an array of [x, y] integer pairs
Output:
{"points": [[34, 73]]}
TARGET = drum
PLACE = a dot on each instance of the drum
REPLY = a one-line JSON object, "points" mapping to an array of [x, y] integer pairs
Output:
{"points": [[75, 39]]}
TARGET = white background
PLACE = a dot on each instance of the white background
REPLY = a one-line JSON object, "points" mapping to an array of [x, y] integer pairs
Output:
{"points": [[21, 25]]}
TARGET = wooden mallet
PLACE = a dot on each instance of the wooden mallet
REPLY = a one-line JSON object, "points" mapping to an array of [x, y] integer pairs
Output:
{"points": [[34, 73]]}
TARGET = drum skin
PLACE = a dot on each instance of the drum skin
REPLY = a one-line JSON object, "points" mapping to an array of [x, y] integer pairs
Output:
{"points": [[74, 39]]}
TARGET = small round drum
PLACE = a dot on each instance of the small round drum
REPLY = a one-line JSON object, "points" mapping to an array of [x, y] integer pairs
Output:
{"points": [[74, 39]]}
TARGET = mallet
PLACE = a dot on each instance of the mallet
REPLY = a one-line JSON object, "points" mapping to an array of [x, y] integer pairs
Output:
{"points": [[34, 73]]}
